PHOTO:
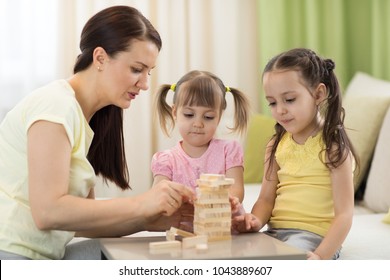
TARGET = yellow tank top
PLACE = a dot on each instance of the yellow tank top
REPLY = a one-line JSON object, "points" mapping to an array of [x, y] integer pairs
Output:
{"points": [[304, 193]]}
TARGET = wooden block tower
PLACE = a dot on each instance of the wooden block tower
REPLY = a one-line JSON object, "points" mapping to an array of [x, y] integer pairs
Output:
{"points": [[212, 216]]}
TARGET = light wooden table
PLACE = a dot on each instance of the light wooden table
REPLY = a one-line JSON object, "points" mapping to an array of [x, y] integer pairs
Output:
{"points": [[242, 246]]}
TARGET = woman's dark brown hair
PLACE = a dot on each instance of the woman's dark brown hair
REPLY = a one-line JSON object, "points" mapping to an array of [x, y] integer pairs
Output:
{"points": [[113, 29]]}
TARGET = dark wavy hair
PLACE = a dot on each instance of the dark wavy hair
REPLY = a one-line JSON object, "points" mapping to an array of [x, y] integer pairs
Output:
{"points": [[113, 29], [315, 70]]}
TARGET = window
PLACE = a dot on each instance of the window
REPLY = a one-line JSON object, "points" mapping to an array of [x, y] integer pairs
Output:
{"points": [[28, 47]]}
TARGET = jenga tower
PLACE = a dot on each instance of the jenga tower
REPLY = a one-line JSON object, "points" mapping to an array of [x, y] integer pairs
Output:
{"points": [[212, 207]]}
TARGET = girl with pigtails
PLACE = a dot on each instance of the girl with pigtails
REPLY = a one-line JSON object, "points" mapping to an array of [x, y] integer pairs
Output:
{"points": [[198, 104], [307, 194]]}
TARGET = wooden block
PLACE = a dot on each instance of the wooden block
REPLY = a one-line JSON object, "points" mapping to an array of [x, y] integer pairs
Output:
{"points": [[164, 244], [201, 247], [215, 182], [212, 210], [181, 232], [225, 208], [190, 242], [170, 235], [213, 201], [209, 176], [218, 185]]}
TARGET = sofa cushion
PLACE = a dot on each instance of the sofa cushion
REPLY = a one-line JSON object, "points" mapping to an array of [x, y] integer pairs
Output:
{"points": [[366, 101], [377, 193], [368, 239], [386, 219], [260, 131]]}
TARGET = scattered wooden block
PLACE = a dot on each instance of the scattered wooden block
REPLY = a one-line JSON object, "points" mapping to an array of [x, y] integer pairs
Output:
{"points": [[170, 235], [190, 242], [181, 232], [165, 244], [201, 247]]}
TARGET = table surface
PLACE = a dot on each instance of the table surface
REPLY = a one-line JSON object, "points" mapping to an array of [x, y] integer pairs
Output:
{"points": [[243, 246]]}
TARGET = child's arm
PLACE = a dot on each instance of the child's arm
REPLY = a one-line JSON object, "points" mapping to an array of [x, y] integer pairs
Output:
{"points": [[159, 178], [264, 205], [262, 209], [237, 189], [161, 167], [343, 198]]}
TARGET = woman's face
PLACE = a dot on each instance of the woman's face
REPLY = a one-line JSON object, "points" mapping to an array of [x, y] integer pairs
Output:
{"points": [[125, 74]]}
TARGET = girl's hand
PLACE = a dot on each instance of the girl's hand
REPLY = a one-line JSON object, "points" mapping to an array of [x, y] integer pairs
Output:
{"points": [[246, 223], [236, 206], [312, 256]]}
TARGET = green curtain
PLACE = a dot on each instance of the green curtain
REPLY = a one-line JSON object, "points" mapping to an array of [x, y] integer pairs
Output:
{"points": [[354, 33]]}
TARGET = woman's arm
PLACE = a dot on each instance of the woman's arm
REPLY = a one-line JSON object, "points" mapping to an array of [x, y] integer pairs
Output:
{"points": [[49, 155], [343, 198]]}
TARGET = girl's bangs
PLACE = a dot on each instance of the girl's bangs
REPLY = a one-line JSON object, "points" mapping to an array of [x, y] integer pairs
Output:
{"points": [[200, 92]]}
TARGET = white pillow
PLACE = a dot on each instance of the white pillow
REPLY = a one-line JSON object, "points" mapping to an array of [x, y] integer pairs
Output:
{"points": [[366, 101], [377, 193], [364, 84]]}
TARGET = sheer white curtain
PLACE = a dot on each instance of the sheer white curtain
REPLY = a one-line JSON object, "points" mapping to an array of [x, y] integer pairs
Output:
{"points": [[213, 35], [28, 48]]}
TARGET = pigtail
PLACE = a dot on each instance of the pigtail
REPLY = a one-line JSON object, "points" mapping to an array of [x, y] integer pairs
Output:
{"points": [[279, 132], [241, 110], [338, 145], [334, 118], [164, 111]]}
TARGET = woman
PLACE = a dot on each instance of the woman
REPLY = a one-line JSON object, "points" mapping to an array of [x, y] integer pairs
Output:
{"points": [[56, 140]]}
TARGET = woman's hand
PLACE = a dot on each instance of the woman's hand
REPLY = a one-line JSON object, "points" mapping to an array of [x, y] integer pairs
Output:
{"points": [[166, 197], [183, 218], [168, 204]]}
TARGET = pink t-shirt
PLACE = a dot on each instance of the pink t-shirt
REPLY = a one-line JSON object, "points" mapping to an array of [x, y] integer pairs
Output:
{"points": [[176, 165]]}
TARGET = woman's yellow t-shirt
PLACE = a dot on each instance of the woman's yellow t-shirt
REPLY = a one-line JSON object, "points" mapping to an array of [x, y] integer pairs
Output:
{"points": [[56, 103], [304, 193]]}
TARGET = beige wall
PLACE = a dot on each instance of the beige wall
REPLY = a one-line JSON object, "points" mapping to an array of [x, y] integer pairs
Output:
{"points": [[216, 35], [213, 35]]}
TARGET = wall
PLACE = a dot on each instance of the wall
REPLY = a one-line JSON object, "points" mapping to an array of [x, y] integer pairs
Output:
{"points": [[213, 35]]}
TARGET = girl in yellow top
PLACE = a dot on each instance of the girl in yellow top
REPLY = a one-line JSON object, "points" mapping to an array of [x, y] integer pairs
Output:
{"points": [[307, 190]]}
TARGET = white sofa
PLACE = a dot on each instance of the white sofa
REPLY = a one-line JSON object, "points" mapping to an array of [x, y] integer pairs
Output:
{"points": [[369, 237], [367, 106]]}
